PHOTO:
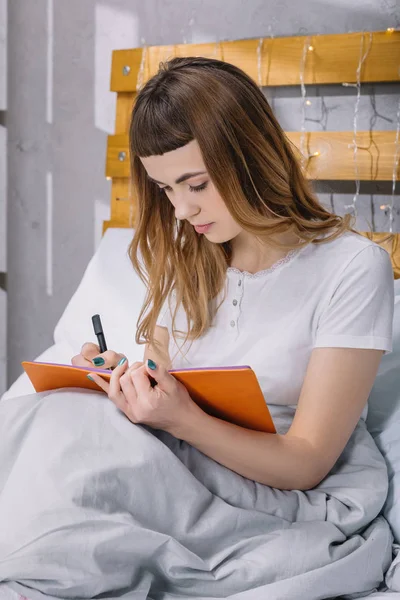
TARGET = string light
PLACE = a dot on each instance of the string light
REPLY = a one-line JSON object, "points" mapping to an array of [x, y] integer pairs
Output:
{"points": [[332, 203], [304, 154], [140, 77], [395, 163], [363, 56], [259, 60], [388, 208], [303, 150], [192, 20], [218, 50], [372, 123], [390, 29], [260, 55]]}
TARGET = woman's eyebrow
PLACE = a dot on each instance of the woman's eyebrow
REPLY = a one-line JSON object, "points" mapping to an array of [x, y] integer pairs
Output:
{"points": [[181, 178]]}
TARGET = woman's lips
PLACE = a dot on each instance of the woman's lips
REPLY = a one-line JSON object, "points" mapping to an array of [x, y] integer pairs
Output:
{"points": [[203, 228]]}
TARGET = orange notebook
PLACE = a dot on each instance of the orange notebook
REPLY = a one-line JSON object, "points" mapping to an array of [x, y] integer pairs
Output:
{"points": [[229, 393]]}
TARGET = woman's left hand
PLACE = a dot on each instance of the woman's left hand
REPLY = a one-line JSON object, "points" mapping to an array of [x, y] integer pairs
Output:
{"points": [[165, 406]]}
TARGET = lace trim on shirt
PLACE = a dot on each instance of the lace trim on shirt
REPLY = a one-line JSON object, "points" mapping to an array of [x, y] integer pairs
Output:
{"points": [[274, 267]]}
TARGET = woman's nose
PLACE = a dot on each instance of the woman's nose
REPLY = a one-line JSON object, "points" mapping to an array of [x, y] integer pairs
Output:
{"points": [[185, 211]]}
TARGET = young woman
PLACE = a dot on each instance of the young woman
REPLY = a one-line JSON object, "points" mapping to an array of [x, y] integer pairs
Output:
{"points": [[242, 266], [242, 261]]}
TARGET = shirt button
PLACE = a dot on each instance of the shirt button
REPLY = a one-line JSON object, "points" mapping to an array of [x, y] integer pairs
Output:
{"points": [[240, 282], [234, 302], [232, 323]]}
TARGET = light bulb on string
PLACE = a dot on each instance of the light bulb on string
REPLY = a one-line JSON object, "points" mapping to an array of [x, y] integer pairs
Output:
{"points": [[219, 50], [303, 61], [304, 155], [260, 55], [140, 77], [363, 55], [259, 61], [395, 168]]}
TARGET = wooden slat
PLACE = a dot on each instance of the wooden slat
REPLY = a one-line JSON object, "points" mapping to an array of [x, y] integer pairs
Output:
{"points": [[124, 69], [123, 208], [123, 112], [375, 155], [334, 59], [114, 224], [117, 160]]}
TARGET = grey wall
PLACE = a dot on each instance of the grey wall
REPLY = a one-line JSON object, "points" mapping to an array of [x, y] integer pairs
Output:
{"points": [[60, 112]]}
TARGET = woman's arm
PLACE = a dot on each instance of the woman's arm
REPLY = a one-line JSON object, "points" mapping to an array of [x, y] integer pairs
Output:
{"points": [[336, 387], [159, 355]]}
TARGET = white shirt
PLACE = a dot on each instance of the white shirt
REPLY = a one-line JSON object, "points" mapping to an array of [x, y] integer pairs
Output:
{"points": [[334, 294]]}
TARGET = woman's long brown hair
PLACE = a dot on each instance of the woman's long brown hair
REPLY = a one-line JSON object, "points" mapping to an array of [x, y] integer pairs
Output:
{"points": [[252, 164]]}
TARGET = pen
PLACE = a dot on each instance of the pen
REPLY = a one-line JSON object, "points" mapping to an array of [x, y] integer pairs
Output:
{"points": [[98, 329]]}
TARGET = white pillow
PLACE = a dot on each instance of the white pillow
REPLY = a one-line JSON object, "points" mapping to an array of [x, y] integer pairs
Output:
{"points": [[383, 419], [109, 287]]}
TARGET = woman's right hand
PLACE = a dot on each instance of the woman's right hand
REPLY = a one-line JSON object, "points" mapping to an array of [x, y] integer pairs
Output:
{"points": [[90, 357]]}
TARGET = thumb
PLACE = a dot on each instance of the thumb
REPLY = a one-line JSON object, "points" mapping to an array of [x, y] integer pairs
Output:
{"points": [[159, 373]]}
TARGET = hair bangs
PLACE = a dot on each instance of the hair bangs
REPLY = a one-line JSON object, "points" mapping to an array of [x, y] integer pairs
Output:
{"points": [[158, 125]]}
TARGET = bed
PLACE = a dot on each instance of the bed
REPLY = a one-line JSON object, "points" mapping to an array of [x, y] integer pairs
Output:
{"points": [[88, 470]]}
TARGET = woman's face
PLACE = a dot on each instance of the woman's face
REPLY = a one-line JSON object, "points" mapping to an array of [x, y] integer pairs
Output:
{"points": [[183, 176]]}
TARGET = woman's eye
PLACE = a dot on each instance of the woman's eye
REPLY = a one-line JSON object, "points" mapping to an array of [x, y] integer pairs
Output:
{"points": [[198, 188]]}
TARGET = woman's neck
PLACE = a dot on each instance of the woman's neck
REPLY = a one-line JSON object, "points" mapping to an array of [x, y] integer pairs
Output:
{"points": [[249, 255]]}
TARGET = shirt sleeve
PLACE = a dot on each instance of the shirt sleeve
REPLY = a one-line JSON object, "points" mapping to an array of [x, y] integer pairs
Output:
{"points": [[360, 311], [162, 320], [165, 317]]}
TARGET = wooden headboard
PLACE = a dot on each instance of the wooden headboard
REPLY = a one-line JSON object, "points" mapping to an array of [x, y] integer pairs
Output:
{"points": [[274, 62]]}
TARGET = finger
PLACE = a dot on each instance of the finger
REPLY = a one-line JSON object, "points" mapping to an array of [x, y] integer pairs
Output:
{"points": [[165, 381], [108, 359], [104, 385], [130, 396], [115, 393], [135, 365], [80, 361], [141, 380], [89, 350]]}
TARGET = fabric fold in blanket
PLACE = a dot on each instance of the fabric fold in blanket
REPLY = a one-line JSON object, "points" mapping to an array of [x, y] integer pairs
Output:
{"points": [[92, 505]]}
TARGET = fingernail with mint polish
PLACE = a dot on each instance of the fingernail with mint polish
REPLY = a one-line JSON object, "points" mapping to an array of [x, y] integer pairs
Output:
{"points": [[151, 364], [90, 377], [98, 361], [121, 362]]}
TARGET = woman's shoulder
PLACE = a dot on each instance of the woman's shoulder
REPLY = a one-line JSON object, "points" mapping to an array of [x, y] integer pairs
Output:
{"points": [[347, 247], [351, 261]]}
